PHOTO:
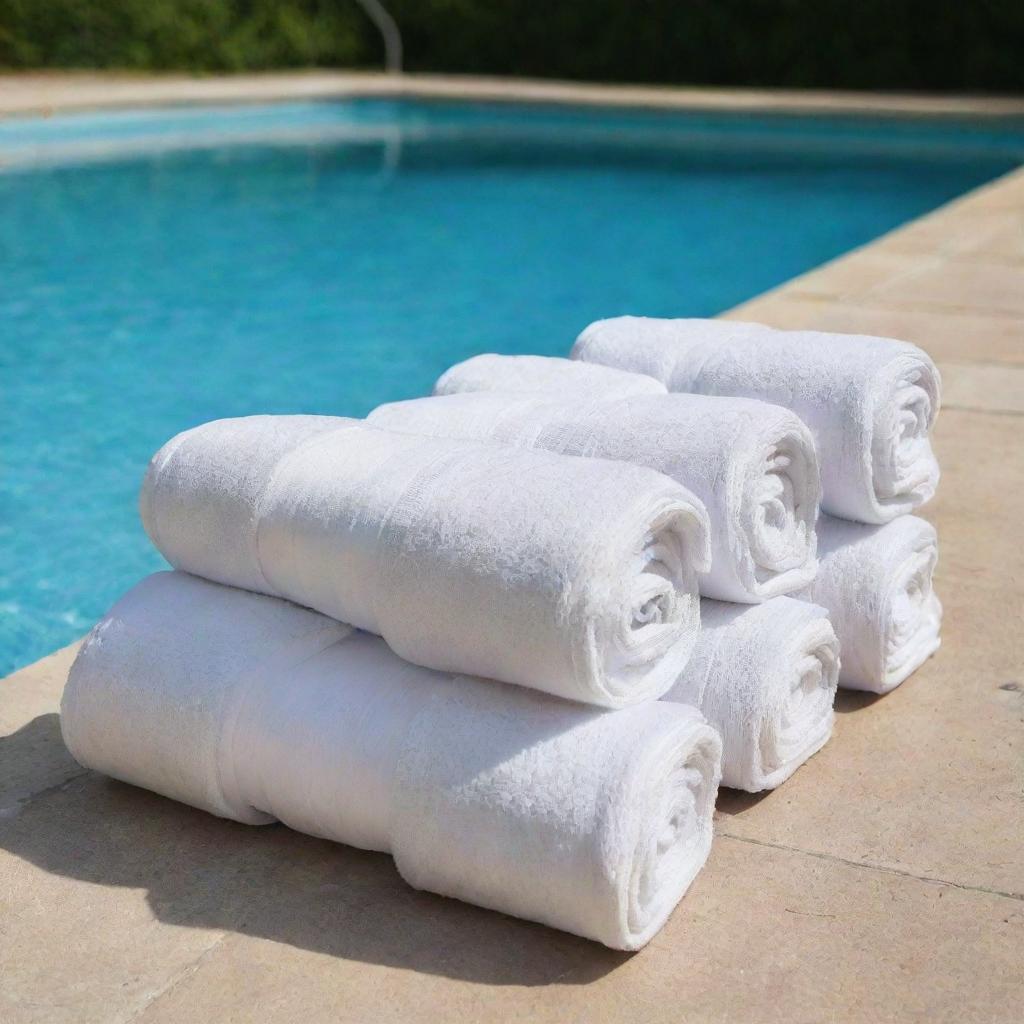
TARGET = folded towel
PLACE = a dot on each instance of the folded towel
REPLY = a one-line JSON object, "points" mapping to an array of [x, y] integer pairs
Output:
{"points": [[765, 677], [535, 374], [876, 582], [870, 402], [257, 710], [573, 576], [751, 464]]}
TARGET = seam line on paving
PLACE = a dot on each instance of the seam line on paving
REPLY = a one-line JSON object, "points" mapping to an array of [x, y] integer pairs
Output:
{"points": [[867, 866], [21, 800], [973, 364], [172, 983], [978, 409], [881, 303], [885, 305], [965, 257], [795, 291]]}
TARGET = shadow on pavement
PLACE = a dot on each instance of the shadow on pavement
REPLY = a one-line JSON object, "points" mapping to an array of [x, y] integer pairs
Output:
{"points": [[204, 872]]}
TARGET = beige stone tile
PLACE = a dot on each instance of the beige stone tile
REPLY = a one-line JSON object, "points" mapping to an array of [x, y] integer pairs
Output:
{"points": [[853, 275], [977, 508], [35, 689], [38, 759], [765, 935], [947, 335], [1004, 241], [988, 388], [81, 939], [991, 288], [993, 234]]}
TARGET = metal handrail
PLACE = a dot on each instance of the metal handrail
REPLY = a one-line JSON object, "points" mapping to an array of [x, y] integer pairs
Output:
{"points": [[388, 28]]}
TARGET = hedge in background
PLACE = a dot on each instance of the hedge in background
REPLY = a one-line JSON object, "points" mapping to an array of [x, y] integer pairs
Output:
{"points": [[958, 45], [190, 35]]}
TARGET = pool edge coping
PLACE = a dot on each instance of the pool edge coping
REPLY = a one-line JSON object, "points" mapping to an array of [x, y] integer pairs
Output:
{"points": [[29, 94]]}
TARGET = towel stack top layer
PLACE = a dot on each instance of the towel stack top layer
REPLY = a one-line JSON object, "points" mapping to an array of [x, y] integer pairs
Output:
{"points": [[257, 710], [573, 576], [870, 402], [543, 374], [751, 464]]}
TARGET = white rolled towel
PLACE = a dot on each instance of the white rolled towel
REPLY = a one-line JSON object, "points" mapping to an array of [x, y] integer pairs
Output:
{"points": [[541, 374], [765, 677], [876, 582], [258, 710], [751, 464], [870, 402], [573, 576]]}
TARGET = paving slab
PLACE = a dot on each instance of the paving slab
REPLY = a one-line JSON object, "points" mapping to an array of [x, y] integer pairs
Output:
{"points": [[37, 759], [766, 935], [962, 232], [950, 335], [983, 388], [857, 273], [954, 283], [883, 882]]}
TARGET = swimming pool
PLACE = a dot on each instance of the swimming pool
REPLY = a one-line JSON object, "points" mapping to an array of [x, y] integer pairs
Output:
{"points": [[161, 268]]}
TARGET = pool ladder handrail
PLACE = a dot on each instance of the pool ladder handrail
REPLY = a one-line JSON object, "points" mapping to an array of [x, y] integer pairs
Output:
{"points": [[388, 28]]}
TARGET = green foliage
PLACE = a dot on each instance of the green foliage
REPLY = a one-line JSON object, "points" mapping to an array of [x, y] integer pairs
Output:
{"points": [[192, 35], [869, 44]]}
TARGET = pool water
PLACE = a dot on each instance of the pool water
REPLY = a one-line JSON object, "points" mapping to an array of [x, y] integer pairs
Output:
{"points": [[162, 268]]}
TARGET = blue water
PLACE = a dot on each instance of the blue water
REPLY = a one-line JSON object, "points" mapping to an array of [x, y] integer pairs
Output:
{"points": [[159, 269]]}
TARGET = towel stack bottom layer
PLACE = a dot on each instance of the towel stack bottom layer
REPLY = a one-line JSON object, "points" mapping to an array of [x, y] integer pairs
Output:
{"points": [[876, 582], [257, 710], [765, 676]]}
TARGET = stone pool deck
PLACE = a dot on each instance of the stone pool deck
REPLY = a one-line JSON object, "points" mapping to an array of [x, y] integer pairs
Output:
{"points": [[46, 92], [884, 882]]}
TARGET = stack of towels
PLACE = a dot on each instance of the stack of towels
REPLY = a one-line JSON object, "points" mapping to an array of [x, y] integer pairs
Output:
{"points": [[515, 634]]}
